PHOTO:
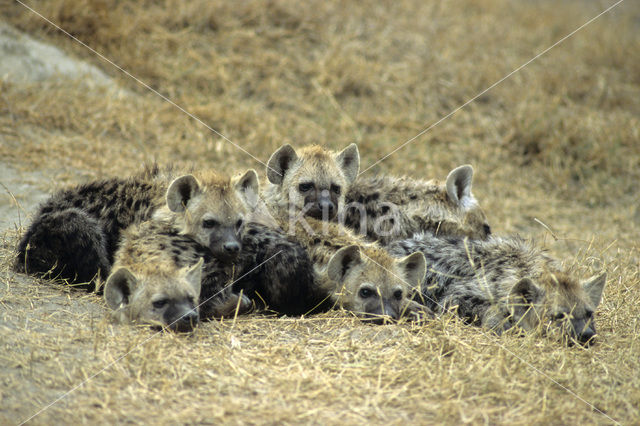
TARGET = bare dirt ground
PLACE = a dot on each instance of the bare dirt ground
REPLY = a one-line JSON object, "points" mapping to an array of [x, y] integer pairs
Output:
{"points": [[558, 141]]}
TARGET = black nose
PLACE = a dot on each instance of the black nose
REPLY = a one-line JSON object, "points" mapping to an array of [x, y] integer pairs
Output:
{"points": [[186, 322], [587, 336], [326, 205], [231, 247]]}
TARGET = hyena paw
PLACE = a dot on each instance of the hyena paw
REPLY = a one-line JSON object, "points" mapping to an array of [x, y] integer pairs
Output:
{"points": [[418, 313]]}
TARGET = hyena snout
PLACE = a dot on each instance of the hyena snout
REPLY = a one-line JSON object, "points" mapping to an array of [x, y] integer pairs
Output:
{"points": [[321, 204], [231, 247], [181, 317], [225, 244], [381, 312], [584, 332]]}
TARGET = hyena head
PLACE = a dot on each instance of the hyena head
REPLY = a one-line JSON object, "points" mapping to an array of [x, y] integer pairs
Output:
{"points": [[211, 209], [374, 285], [314, 180], [559, 300], [155, 295], [457, 210]]}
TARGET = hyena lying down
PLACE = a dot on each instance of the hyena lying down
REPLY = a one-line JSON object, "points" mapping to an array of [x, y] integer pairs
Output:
{"points": [[361, 277], [386, 208], [76, 232], [322, 184], [155, 292], [270, 270], [504, 282], [205, 220]]}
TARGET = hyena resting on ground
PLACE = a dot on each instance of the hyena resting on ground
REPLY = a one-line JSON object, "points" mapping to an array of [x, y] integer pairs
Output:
{"points": [[361, 277], [76, 232], [155, 292], [322, 184], [386, 208], [270, 270], [504, 282]]}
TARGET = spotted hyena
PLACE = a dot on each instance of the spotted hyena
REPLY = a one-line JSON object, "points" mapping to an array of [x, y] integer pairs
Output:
{"points": [[270, 271], [155, 293], [504, 282], [76, 232], [359, 276], [311, 181], [385, 208]]}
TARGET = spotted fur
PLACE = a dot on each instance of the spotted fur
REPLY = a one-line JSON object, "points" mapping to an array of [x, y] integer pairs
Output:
{"points": [[385, 208], [503, 282], [359, 276]]}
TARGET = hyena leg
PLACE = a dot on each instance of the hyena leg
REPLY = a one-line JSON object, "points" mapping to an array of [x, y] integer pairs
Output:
{"points": [[67, 244], [284, 280], [217, 296]]}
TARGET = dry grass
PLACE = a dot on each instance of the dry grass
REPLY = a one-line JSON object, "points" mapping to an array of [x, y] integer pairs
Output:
{"points": [[559, 141]]}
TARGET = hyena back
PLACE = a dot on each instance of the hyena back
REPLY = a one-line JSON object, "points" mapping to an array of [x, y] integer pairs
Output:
{"points": [[504, 282], [76, 231], [385, 208]]}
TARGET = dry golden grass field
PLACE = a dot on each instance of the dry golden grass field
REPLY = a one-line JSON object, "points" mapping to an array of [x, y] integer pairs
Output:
{"points": [[558, 141]]}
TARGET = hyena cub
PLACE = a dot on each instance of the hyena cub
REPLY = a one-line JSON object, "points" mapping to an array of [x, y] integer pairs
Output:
{"points": [[385, 208], [504, 282], [205, 218], [77, 231], [270, 266], [311, 182], [362, 277], [156, 293]]}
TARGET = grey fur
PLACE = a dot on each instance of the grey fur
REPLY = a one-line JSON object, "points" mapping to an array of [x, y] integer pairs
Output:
{"points": [[501, 282]]}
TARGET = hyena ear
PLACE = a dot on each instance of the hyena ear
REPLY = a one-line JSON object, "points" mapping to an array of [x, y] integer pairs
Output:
{"points": [[415, 268], [181, 191], [280, 162], [118, 289], [459, 186], [594, 287], [194, 276], [525, 292], [248, 187], [349, 161], [342, 261]]}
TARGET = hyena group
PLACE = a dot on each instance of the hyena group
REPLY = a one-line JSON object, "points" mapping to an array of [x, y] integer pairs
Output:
{"points": [[181, 248], [152, 230], [495, 282]]}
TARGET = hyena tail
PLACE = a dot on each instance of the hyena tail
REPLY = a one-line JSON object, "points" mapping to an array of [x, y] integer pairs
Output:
{"points": [[65, 245]]}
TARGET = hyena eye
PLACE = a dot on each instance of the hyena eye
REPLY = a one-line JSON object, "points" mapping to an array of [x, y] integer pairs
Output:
{"points": [[209, 223], [305, 187], [397, 294], [365, 293], [561, 316], [160, 303], [487, 229], [239, 224], [589, 314], [335, 189]]}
